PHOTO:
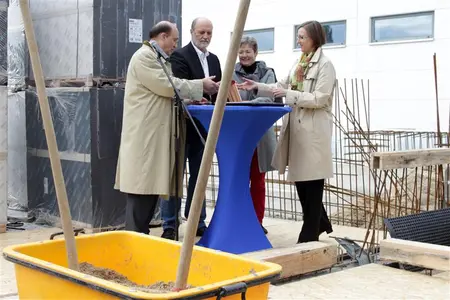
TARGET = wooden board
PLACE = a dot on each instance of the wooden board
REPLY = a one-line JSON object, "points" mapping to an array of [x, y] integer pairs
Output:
{"points": [[410, 158], [442, 275], [299, 259], [425, 255], [370, 281]]}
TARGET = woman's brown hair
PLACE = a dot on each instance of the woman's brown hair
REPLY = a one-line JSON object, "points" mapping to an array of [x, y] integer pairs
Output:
{"points": [[316, 33]]}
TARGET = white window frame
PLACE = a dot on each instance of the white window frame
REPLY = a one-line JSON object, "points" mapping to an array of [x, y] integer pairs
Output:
{"points": [[267, 29], [405, 39]]}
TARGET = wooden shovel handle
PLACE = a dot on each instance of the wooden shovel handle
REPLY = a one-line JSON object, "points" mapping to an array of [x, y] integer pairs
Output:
{"points": [[55, 161], [210, 146]]}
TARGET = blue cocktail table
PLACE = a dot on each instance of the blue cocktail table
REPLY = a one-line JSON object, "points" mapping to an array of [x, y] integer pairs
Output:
{"points": [[234, 226]]}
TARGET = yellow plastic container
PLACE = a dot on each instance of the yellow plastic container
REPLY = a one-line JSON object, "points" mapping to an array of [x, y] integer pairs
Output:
{"points": [[42, 271]]}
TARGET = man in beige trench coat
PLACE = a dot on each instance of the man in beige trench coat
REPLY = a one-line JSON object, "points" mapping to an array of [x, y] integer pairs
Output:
{"points": [[146, 163]]}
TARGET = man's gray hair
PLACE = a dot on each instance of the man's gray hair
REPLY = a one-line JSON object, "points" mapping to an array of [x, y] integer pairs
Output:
{"points": [[250, 41], [161, 27], [195, 21]]}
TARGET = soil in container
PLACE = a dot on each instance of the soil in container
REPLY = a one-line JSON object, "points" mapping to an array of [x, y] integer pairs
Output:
{"points": [[113, 276]]}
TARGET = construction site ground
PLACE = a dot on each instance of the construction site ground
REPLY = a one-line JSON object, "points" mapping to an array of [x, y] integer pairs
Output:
{"points": [[370, 281]]}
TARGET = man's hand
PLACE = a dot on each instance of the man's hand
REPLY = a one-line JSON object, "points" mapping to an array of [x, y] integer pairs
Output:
{"points": [[247, 85], [279, 92], [201, 102], [196, 102], [209, 86], [204, 101]]}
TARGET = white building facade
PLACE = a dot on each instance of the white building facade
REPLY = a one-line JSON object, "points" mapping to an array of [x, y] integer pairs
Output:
{"points": [[388, 42]]}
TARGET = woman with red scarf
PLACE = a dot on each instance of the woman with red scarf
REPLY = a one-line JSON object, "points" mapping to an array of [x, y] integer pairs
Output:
{"points": [[250, 68]]}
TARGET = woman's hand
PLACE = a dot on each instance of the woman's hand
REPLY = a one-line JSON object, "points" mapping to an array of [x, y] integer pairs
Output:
{"points": [[279, 92], [247, 85]]}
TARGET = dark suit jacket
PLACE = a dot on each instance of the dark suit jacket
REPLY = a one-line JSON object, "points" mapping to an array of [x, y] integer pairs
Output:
{"points": [[186, 65]]}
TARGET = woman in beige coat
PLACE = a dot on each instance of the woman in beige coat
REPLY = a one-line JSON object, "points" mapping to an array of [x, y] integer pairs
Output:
{"points": [[304, 145]]}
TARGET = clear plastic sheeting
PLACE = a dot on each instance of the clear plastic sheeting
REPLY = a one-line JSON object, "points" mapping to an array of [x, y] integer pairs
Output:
{"points": [[17, 153], [84, 38], [76, 40], [18, 61], [65, 36], [87, 124], [3, 155], [3, 42]]}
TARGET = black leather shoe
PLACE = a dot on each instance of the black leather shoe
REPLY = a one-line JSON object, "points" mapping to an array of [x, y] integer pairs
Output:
{"points": [[201, 231], [264, 229], [169, 234]]}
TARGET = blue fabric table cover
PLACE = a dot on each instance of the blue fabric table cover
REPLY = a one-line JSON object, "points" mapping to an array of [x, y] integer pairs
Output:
{"points": [[234, 226]]}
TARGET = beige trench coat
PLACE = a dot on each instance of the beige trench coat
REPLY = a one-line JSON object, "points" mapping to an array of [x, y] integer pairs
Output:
{"points": [[304, 145], [146, 163]]}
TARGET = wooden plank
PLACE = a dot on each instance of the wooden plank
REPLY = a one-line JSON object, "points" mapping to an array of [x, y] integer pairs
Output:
{"points": [[442, 275], [371, 281], [299, 259], [410, 158], [424, 255]]}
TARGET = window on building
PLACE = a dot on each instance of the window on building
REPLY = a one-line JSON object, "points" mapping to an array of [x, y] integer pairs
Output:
{"points": [[402, 27], [264, 37], [336, 33]]}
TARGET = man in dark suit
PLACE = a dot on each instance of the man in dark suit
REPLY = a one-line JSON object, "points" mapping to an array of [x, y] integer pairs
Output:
{"points": [[193, 61]]}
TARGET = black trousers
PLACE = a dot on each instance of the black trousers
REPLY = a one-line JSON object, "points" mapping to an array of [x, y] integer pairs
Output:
{"points": [[315, 219], [139, 212], [194, 154]]}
